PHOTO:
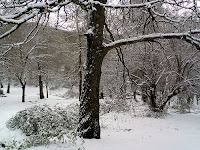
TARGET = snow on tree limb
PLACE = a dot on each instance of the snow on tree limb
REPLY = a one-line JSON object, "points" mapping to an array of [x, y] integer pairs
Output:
{"points": [[30, 8], [17, 22], [145, 4], [150, 37], [41, 6], [30, 4], [10, 19]]}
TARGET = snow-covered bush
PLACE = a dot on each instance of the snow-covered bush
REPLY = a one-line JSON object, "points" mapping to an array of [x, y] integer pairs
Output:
{"points": [[72, 93], [182, 108], [44, 124], [114, 105], [151, 114]]}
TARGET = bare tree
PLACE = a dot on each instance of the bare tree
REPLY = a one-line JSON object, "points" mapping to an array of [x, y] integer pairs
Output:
{"points": [[17, 64]]}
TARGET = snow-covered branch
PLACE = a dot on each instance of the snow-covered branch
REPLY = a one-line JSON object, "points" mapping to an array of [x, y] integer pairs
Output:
{"points": [[30, 8], [17, 22], [27, 11], [144, 4], [150, 37]]}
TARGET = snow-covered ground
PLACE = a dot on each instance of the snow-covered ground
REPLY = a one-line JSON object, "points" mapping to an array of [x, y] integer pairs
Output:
{"points": [[119, 131]]}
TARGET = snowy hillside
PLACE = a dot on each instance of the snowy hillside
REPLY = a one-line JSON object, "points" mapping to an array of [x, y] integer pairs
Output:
{"points": [[120, 130]]}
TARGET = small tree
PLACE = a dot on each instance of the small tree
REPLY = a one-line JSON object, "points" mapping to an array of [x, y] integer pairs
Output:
{"points": [[18, 64]]}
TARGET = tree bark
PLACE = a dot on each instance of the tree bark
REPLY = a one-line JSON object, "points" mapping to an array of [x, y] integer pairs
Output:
{"points": [[144, 92], [8, 88], [89, 104], [40, 83], [41, 87], [152, 97], [80, 74], [47, 90], [23, 92], [174, 93]]}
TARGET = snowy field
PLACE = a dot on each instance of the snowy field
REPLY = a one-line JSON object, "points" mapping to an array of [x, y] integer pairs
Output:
{"points": [[119, 131]]}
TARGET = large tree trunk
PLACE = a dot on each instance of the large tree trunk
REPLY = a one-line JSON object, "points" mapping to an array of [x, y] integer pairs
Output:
{"points": [[89, 103]]}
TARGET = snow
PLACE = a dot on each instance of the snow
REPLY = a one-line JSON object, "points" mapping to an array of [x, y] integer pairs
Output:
{"points": [[172, 133], [90, 32], [154, 36], [148, 4], [119, 131]]}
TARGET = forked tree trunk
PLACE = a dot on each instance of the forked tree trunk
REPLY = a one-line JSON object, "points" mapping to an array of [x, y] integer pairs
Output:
{"points": [[174, 93], [89, 103]]}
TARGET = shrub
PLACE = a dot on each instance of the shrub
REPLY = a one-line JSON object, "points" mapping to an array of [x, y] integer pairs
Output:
{"points": [[43, 124], [116, 105]]}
